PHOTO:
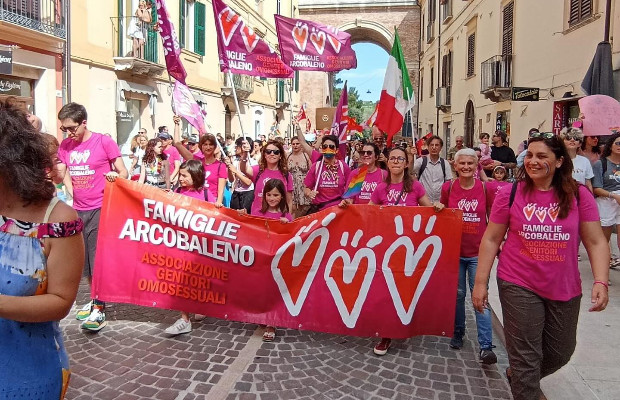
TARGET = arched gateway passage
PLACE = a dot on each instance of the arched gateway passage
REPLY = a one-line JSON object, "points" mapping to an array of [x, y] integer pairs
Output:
{"points": [[370, 21]]}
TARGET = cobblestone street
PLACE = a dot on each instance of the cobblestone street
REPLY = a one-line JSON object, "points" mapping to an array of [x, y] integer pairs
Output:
{"points": [[132, 358]]}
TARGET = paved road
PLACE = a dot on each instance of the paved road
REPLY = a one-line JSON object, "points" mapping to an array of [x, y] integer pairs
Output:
{"points": [[131, 358]]}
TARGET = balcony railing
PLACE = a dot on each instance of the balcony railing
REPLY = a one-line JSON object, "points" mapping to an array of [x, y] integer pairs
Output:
{"points": [[136, 46], [496, 73], [243, 84], [446, 11], [47, 16]]}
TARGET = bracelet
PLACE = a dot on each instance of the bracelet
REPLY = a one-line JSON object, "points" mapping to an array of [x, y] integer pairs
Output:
{"points": [[601, 283]]}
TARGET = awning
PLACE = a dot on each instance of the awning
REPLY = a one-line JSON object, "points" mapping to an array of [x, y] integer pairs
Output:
{"points": [[125, 86]]}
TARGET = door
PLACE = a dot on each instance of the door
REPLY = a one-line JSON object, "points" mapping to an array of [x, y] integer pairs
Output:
{"points": [[470, 120], [127, 126]]}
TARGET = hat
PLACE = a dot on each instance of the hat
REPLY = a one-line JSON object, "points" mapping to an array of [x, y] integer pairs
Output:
{"points": [[164, 135], [193, 138]]}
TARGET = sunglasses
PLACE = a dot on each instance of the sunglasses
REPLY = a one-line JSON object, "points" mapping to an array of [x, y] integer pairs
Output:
{"points": [[367, 152], [544, 135], [329, 146], [617, 143], [398, 159], [275, 152], [576, 138], [192, 143], [71, 129]]}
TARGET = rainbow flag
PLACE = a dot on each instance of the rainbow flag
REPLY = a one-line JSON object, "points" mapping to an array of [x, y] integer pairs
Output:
{"points": [[355, 186]]}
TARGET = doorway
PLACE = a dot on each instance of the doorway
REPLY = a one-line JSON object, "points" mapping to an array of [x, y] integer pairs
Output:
{"points": [[127, 126], [470, 119]]}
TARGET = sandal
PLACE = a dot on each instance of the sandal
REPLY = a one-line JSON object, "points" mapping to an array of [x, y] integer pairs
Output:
{"points": [[269, 334]]}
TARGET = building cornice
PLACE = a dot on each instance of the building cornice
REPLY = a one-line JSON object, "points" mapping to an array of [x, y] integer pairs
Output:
{"points": [[309, 5]]}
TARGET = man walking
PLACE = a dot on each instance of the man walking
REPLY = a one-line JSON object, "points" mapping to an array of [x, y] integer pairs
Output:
{"points": [[431, 170], [501, 153], [91, 159], [458, 146]]}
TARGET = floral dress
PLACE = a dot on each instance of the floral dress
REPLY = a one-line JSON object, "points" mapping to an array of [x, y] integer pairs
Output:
{"points": [[34, 364], [299, 172]]}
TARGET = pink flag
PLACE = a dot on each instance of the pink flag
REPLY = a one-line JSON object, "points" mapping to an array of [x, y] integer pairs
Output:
{"points": [[186, 107], [341, 120], [310, 46], [241, 50], [170, 42]]}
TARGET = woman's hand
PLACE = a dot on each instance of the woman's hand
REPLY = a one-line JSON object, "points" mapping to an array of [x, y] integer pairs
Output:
{"points": [[345, 203], [111, 176], [600, 297], [311, 194], [218, 204], [480, 297], [437, 206], [176, 119], [283, 220]]}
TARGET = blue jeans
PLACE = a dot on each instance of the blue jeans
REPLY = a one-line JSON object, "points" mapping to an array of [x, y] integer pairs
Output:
{"points": [[467, 274]]}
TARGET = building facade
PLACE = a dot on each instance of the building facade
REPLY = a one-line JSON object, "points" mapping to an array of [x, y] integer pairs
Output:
{"points": [[124, 90], [32, 56], [477, 55]]}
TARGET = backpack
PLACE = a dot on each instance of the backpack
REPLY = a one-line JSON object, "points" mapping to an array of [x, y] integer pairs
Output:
{"points": [[425, 162]]}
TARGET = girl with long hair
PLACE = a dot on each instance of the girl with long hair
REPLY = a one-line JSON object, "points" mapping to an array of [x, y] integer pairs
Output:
{"points": [[538, 279], [590, 148], [138, 149], [155, 167]]}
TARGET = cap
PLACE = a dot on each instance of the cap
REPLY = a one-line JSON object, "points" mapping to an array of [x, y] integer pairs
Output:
{"points": [[164, 135], [192, 138]]}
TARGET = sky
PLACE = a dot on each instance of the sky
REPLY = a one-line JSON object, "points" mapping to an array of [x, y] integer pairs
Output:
{"points": [[370, 71]]}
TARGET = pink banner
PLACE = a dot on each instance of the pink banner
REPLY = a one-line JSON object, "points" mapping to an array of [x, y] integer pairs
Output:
{"points": [[341, 119], [310, 46], [601, 115], [170, 42], [241, 50], [185, 106], [337, 271]]}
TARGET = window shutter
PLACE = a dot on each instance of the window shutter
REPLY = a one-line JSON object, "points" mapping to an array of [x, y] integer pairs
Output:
{"points": [[471, 51], [182, 23], [579, 10], [296, 81], [199, 28], [449, 75], [507, 29], [586, 9]]}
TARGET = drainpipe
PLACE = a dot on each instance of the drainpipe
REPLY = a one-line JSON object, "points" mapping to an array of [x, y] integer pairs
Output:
{"points": [[438, 15], [68, 53], [607, 20], [414, 134]]}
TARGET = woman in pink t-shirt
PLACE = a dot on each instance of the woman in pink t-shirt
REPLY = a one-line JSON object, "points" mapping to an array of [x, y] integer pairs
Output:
{"points": [[545, 215], [369, 155], [469, 195], [272, 165], [399, 189]]}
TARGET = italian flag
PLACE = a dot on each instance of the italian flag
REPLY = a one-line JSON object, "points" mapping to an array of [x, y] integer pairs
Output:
{"points": [[397, 95]]}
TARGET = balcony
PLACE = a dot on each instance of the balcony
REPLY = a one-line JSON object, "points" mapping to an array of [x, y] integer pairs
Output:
{"points": [[496, 82], [36, 23], [141, 60], [443, 98], [243, 84], [446, 11]]}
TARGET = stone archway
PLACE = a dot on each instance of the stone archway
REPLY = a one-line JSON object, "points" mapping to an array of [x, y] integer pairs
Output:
{"points": [[368, 21]]}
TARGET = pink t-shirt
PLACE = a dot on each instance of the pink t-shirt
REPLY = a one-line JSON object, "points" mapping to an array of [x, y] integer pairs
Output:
{"points": [[371, 181], [540, 252], [473, 203], [213, 173], [273, 215], [494, 187], [259, 185], [87, 163], [191, 192], [388, 196], [173, 155], [332, 184], [314, 157]]}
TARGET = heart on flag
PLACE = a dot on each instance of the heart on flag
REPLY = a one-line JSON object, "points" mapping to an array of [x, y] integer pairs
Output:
{"points": [[335, 43], [300, 36], [318, 41], [229, 21], [250, 39]]}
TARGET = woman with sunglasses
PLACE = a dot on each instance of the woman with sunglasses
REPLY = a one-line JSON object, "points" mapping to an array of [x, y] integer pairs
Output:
{"points": [[399, 189], [590, 149], [272, 165], [243, 188], [606, 186], [326, 181], [538, 278], [216, 172], [582, 168], [369, 156]]}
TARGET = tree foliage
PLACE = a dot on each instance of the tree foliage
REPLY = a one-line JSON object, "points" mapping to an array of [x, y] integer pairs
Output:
{"points": [[355, 104]]}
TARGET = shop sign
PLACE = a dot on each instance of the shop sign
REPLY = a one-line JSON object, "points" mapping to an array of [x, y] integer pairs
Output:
{"points": [[124, 116], [6, 62], [558, 116], [14, 87], [525, 94]]}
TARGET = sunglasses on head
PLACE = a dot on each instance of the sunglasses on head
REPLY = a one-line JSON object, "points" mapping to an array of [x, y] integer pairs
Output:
{"points": [[576, 138], [275, 152], [544, 135], [329, 146], [367, 152]]}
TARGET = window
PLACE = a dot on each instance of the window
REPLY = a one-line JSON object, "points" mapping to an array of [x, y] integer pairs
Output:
{"points": [[432, 11], [296, 82], [432, 89], [446, 10], [192, 26], [471, 55], [580, 10], [280, 90], [446, 70], [422, 28], [507, 28]]}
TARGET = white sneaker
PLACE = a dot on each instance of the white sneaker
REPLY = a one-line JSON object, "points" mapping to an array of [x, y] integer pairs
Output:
{"points": [[179, 327]]}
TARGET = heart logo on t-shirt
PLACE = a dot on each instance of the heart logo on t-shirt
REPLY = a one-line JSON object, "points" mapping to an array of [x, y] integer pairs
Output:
{"points": [[529, 210], [541, 213], [553, 212]]}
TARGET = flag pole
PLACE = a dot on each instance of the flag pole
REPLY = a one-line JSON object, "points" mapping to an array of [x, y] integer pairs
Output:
{"points": [[413, 131], [290, 107], [232, 84]]}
